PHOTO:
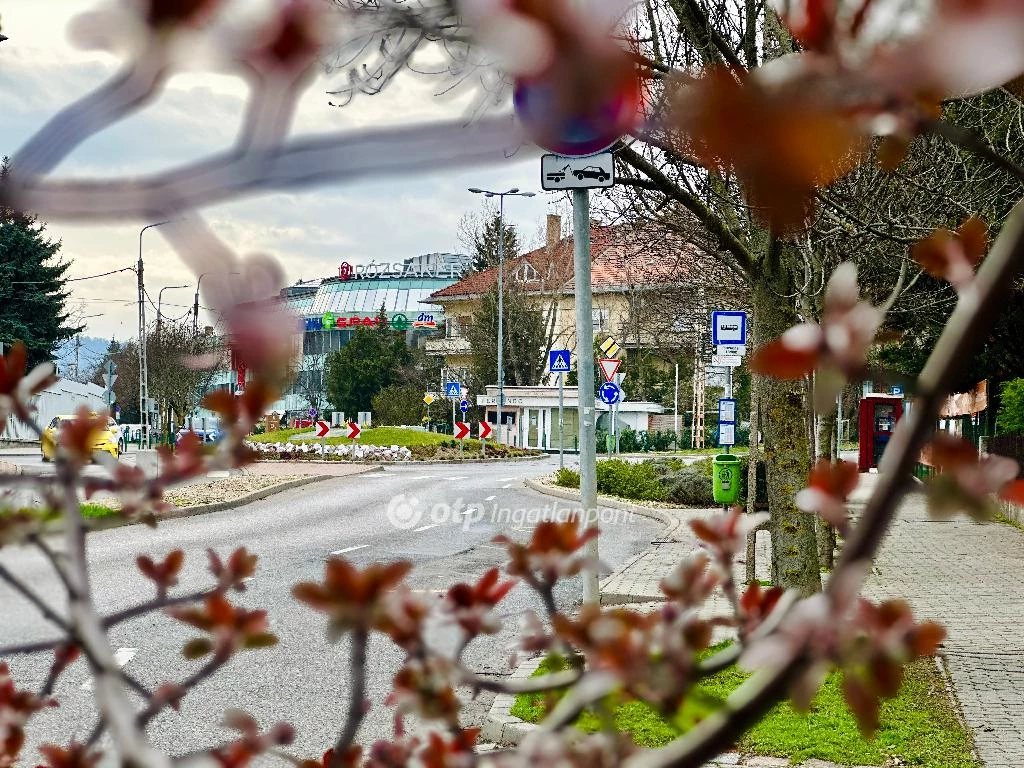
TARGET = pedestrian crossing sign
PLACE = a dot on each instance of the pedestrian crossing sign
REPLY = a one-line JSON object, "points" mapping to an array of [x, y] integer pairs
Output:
{"points": [[559, 361], [452, 389], [610, 347]]}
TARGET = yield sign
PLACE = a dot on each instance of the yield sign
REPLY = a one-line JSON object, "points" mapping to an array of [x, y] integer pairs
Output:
{"points": [[461, 430], [609, 366], [353, 431], [322, 428], [485, 430]]}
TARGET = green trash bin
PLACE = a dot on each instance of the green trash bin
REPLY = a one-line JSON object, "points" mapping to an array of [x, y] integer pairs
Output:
{"points": [[726, 478]]}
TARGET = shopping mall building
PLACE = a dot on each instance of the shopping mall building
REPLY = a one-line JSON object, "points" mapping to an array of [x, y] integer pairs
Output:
{"points": [[362, 295]]}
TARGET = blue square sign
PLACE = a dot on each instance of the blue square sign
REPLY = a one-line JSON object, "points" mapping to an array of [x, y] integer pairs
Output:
{"points": [[559, 361], [728, 327], [452, 389]]}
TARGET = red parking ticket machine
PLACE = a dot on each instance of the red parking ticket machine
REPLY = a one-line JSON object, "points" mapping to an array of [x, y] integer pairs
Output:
{"points": [[877, 420]]}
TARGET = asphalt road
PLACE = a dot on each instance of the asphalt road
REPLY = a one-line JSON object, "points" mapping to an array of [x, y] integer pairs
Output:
{"points": [[303, 680]]}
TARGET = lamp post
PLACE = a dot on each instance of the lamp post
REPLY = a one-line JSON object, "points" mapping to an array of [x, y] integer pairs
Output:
{"points": [[514, 192], [195, 306], [159, 301], [143, 362]]}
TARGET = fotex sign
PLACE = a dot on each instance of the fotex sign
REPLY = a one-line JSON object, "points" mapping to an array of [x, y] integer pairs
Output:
{"points": [[397, 321]]}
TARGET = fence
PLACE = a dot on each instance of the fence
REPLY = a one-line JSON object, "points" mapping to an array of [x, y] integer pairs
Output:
{"points": [[1011, 446]]}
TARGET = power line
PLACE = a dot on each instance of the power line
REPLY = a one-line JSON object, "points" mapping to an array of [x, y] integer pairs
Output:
{"points": [[72, 279]]}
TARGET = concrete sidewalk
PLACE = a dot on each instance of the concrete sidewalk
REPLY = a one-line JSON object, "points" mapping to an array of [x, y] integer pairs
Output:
{"points": [[967, 576], [963, 574]]}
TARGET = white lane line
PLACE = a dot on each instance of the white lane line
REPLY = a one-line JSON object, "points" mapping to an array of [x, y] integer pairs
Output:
{"points": [[121, 657], [423, 477], [349, 549], [507, 485], [506, 479], [461, 477], [426, 527], [490, 498]]}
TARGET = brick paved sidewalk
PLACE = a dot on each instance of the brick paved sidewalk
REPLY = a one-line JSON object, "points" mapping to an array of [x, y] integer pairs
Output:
{"points": [[964, 574], [967, 576]]}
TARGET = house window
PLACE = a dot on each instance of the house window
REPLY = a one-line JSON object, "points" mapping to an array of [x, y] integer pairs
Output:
{"points": [[525, 273], [601, 318]]}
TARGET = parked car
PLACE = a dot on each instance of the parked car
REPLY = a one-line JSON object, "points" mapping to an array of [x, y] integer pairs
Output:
{"points": [[106, 441], [205, 435]]}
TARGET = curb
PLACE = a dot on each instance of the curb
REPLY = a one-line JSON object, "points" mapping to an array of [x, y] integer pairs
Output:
{"points": [[409, 462], [262, 493], [106, 523], [661, 514]]}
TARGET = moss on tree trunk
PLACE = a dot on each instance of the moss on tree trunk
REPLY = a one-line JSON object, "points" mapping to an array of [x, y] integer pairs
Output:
{"points": [[786, 447]]}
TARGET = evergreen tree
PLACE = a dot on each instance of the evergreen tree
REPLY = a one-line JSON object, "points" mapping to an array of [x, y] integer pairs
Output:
{"points": [[485, 243], [374, 358], [33, 293]]}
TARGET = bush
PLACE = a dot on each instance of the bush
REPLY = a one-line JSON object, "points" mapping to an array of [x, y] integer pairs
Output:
{"points": [[1011, 407], [690, 489], [567, 478], [397, 405], [630, 441], [630, 481]]}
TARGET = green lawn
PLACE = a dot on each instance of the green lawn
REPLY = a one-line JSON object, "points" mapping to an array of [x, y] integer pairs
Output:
{"points": [[89, 510], [918, 727], [281, 436]]}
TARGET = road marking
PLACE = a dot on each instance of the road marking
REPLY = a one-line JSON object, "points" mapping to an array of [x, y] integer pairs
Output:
{"points": [[121, 657], [426, 527], [423, 477], [490, 498], [462, 477], [467, 511], [507, 485], [349, 549], [506, 479]]}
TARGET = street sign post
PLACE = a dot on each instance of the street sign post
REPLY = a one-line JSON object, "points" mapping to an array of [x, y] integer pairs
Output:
{"points": [[453, 390], [322, 428], [464, 406], [610, 347], [726, 361], [738, 350], [428, 398], [558, 172], [485, 430], [609, 367], [109, 377], [726, 435], [354, 431], [728, 327], [727, 410], [461, 430], [609, 393], [559, 361]]}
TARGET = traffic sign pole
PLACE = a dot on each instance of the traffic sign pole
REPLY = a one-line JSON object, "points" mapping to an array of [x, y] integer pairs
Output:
{"points": [[585, 363], [561, 421]]}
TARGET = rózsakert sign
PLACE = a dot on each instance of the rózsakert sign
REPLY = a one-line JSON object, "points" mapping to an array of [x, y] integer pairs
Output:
{"points": [[449, 269]]}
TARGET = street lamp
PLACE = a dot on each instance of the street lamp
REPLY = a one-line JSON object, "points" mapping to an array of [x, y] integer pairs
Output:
{"points": [[159, 301], [514, 192], [143, 362], [195, 307]]}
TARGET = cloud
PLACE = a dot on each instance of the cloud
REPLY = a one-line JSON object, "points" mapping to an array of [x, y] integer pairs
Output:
{"points": [[310, 231]]}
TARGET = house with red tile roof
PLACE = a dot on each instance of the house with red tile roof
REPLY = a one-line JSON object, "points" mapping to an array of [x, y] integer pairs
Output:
{"points": [[652, 290]]}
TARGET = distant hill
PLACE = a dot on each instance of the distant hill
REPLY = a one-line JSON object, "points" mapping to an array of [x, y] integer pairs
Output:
{"points": [[90, 354]]}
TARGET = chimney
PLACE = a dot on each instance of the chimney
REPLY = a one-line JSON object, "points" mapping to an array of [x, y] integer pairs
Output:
{"points": [[554, 234]]}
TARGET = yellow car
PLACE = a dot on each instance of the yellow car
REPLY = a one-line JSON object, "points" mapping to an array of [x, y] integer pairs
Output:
{"points": [[107, 441]]}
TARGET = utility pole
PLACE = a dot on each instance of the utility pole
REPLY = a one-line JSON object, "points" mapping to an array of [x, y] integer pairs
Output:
{"points": [[143, 362], [585, 376]]}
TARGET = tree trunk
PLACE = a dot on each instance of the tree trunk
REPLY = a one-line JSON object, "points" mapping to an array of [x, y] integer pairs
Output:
{"points": [[753, 456], [826, 532], [786, 446]]}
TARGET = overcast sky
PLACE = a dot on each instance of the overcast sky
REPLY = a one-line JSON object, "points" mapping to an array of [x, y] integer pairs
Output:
{"points": [[311, 232]]}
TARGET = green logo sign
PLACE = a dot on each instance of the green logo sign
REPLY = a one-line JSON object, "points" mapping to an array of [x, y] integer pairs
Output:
{"points": [[328, 320], [400, 323]]}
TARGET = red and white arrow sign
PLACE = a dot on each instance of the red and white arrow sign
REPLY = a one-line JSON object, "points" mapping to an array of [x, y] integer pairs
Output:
{"points": [[322, 428], [353, 431], [485, 430], [461, 430], [609, 366]]}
